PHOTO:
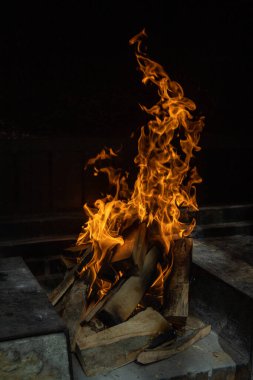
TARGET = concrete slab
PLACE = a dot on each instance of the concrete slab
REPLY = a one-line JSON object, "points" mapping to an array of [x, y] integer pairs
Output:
{"points": [[204, 360], [229, 258], [42, 358], [222, 291], [33, 339]]}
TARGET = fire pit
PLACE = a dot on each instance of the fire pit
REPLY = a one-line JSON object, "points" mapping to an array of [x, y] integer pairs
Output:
{"points": [[128, 278]]}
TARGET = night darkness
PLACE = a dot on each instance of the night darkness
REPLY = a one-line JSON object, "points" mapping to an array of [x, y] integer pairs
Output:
{"points": [[67, 70]]}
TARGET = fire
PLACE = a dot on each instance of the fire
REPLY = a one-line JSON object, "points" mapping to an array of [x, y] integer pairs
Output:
{"points": [[164, 187]]}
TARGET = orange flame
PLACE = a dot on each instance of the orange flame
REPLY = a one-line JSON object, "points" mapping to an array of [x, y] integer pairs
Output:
{"points": [[165, 182]]}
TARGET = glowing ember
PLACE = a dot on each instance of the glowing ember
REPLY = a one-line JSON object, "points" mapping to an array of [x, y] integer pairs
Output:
{"points": [[163, 190]]}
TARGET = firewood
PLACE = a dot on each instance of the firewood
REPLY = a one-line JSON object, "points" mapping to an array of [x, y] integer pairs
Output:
{"points": [[60, 306], [89, 312], [73, 307], [176, 310], [191, 337], [133, 246], [163, 339], [68, 262], [141, 246], [121, 305], [62, 288], [68, 280], [116, 346], [123, 252]]}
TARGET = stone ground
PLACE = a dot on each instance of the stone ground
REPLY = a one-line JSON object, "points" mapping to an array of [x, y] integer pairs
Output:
{"points": [[204, 360]]}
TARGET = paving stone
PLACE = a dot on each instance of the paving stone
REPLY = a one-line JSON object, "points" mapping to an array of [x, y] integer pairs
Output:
{"points": [[222, 293], [33, 339], [204, 360]]}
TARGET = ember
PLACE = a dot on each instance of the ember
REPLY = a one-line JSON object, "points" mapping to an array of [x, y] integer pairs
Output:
{"points": [[133, 254]]}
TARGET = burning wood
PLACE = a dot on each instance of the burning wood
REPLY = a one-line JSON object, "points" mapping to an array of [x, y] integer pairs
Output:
{"points": [[121, 306], [134, 249]]}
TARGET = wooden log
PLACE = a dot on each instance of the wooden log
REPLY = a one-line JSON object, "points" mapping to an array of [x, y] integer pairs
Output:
{"points": [[60, 306], [55, 296], [177, 298], [62, 288], [68, 262], [141, 246], [135, 245], [73, 308], [121, 305], [116, 346], [89, 312], [186, 341]]}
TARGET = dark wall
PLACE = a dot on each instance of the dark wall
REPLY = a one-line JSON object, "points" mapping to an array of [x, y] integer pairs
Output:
{"points": [[67, 72]]}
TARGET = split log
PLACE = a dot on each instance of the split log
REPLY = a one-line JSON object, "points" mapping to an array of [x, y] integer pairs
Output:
{"points": [[135, 245], [68, 280], [62, 288], [89, 312], [140, 246], [190, 337], [163, 339], [73, 308], [69, 262], [116, 346], [177, 298], [121, 305]]}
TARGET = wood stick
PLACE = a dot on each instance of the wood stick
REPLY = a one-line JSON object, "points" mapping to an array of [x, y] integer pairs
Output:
{"points": [[151, 356]]}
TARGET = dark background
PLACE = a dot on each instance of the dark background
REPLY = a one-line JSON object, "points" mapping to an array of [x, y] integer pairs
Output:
{"points": [[69, 86]]}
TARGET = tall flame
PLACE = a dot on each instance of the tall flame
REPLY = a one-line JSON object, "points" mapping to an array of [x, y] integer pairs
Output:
{"points": [[165, 184]]}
